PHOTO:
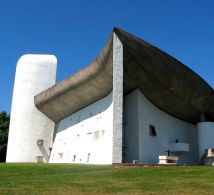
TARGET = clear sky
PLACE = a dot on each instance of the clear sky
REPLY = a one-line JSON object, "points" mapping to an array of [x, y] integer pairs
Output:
{"points": [[75, 31]]}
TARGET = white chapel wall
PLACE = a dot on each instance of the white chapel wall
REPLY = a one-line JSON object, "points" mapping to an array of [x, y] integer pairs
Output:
{"points": [[168, 129], [86, 136]]}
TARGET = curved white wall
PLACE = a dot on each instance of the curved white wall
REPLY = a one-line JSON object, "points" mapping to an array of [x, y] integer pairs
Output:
{"points": [[34, 73], [86, 136], [205, 136], [140, 113]]}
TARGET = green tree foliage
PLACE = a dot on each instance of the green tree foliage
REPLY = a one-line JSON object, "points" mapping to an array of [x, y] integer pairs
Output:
{"points": [[4, 128]]}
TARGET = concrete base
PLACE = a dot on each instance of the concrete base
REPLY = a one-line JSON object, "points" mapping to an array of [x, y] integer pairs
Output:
{"points": [[168, 160]]}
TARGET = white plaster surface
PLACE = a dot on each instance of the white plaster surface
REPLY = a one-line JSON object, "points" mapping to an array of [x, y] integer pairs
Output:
{"points": [[86, 136], [179, 147], [205, 136], [117, 99], [168, 129], [34, 73], [131, 128]]}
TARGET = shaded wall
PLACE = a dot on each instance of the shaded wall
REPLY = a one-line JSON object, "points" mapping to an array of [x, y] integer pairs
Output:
{"points": [[168, 129], [205, 136]]}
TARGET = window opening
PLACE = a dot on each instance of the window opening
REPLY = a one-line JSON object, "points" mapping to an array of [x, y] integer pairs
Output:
{"points": [[74, 157], [152, 130], [96, 135], [102, 132], [88, 157]]}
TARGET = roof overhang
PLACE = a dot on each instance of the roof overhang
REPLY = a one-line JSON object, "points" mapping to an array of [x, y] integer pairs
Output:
{"points": [[166, 82]]}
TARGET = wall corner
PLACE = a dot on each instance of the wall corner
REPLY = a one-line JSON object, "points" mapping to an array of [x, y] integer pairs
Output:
{"points": [[117, 99]]}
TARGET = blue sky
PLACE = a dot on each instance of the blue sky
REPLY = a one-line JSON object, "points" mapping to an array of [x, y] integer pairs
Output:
{"points": [[76, 31]]}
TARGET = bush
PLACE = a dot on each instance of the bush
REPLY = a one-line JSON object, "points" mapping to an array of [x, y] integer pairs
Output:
{"points": [[4, 128]]}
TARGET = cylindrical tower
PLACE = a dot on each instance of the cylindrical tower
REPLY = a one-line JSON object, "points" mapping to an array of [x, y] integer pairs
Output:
{"points": [[205, 136], [30, 132]]}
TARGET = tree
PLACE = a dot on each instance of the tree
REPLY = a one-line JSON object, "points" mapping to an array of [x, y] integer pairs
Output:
{"points": [[4, 128]]}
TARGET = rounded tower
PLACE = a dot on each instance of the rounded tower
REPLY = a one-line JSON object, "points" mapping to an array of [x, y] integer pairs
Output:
{"points": [[205, 136], [30, 132]]}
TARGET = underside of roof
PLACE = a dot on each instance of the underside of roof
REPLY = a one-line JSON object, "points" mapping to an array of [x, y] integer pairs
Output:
{"points": [[166, 82]]}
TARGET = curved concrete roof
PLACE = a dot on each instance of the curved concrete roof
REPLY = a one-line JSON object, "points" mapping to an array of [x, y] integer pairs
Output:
{"points": [[166, 82]]}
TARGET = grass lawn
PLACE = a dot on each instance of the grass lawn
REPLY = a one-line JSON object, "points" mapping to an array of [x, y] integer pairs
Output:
{"points": [[60, 179]]}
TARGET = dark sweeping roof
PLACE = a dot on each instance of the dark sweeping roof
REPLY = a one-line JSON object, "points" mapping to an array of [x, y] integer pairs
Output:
{"points": [[166, 82]]}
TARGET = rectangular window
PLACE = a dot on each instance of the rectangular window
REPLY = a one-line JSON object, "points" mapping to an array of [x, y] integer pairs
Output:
{"points": [[96, 135], [152, 130], [88, 157], [74, 157], [102, 133]]}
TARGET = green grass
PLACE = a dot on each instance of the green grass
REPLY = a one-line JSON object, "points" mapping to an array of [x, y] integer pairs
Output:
{"points": [[60, 179]]}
